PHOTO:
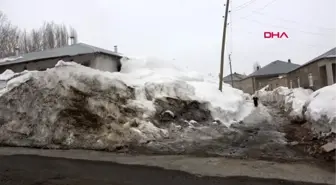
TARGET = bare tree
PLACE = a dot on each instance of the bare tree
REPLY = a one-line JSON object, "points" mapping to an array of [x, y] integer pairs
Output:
{"points": [[73, 33], [36, 38], [50, 35], [9, 35]]}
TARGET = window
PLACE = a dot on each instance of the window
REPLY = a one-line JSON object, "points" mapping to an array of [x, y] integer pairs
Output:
{"points": [[291, 84], [298, 82], [310, 79]]}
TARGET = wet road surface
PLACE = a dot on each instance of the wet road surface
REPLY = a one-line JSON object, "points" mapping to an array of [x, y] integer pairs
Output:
{"points": [[38, 170]]}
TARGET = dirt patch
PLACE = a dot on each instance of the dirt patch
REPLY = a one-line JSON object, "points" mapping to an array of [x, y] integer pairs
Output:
{"points": [[306, 142]]}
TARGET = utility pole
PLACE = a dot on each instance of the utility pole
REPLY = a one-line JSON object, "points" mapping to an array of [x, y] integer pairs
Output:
{"points": [[231, 70], [223, 46]]}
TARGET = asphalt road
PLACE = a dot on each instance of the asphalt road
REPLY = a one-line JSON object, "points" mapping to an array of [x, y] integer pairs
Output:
{"points": [[38, 170]]}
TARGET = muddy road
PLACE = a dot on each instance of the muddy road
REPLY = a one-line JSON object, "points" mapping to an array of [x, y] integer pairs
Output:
{"points": [[38, 170]]}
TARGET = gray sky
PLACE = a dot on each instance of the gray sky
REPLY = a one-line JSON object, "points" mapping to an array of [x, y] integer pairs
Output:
{"points": [[190, 31]]}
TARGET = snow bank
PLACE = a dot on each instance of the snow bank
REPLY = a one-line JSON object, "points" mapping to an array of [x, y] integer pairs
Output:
{"points": [[290, 100], [161, 79], [9, 59], [321, 109], [72, 106], [7, 74]]}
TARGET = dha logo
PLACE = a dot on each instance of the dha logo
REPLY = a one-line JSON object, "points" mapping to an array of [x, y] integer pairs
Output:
{"points": [[271, 35]]}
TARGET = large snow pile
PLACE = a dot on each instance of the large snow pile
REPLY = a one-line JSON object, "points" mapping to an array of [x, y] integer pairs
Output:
{"points": [[321, 109], [290, 100], [72, 106]]}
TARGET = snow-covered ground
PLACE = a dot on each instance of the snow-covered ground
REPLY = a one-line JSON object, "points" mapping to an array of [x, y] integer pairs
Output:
{"points": [[318, 108], [290, 100], [73, 106]]}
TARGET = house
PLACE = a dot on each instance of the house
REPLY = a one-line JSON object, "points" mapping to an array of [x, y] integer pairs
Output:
{"points": [[236, 77], [81, 53], [316, 73], [274, 73]]}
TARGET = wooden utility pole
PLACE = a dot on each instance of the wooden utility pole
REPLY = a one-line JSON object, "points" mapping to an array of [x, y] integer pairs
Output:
{"points": [[231, 70], [223, 46]]}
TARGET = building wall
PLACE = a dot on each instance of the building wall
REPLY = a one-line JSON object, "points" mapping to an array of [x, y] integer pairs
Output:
{"points": [[98, 61], [302, 74], [318, 72], [246, 85], [277, 82], [106, 63], [330, 71], [261, 82]]}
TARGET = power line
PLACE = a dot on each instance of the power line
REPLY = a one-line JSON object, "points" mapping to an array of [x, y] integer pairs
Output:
{"points": [[302, 31], [269, 3], [244, 5], [258, 11], [293, 21], [298, 42]]}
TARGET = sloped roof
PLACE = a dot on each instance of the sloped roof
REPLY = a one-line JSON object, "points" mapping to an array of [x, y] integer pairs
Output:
{"points": [[235, 76], [71, 50], [275, 68], [329, 54]]}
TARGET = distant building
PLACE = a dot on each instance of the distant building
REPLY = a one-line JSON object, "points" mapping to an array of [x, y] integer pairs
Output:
{"points": [[81, 53], [316, 73], [236, 77], [273, 74]]}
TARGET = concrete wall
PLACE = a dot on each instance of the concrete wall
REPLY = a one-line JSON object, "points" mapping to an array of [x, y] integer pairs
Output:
{"points": [[319, 72], [329, 65], [98, 61], [106, 63], [277, 82], [302, 74], [246, 85], [235, 83]]}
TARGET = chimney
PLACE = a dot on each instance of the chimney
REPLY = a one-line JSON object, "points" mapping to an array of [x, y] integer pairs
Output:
{"points": [[258, 67], [16, 51], [289, 61], [116, 48], [72, 40]]}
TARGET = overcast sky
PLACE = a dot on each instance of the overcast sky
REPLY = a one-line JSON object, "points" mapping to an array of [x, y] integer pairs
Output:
{"points": [[189, 32]]}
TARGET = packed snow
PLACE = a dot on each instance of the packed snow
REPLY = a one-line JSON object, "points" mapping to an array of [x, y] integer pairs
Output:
{"points": [[73, 106], [321, 109], [318, 108], [9, 59], [290, 100]]}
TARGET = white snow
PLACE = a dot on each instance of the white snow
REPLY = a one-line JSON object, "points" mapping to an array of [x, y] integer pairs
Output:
{"points": [[151, 78], [290, 100], [9, 59], [321, 107], [158, 78], [296, 99], [7, 74]]}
